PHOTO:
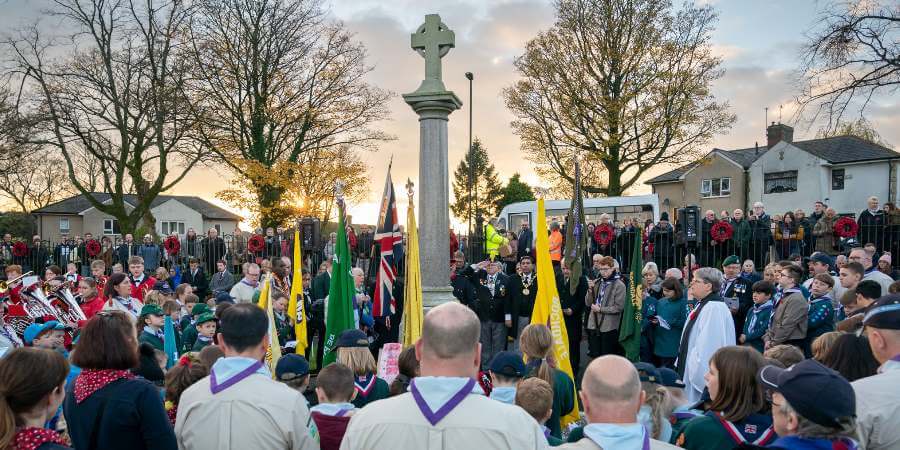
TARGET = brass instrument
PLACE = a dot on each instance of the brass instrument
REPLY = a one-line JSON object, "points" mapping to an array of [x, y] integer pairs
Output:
{"points": [[6, 285]]}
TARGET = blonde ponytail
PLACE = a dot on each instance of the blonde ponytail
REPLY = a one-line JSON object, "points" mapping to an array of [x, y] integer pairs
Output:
{"points": [[657, 398], [536, 343]]}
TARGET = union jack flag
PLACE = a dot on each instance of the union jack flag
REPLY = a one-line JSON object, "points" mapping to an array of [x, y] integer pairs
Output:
{"points": [[389, 242]]}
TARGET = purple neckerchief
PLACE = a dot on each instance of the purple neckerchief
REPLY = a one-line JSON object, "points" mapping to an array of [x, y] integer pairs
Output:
{"points": [[604, 283], [248, 283], [215, 387], [435, 416]]}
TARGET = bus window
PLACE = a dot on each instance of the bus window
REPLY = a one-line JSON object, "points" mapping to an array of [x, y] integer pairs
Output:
{"points": [[515, 221]]}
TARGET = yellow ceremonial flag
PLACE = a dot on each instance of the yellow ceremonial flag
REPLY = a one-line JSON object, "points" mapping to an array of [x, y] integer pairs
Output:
{"points": [[296, 305], [273, 353], [547, 309], [411, 326]]}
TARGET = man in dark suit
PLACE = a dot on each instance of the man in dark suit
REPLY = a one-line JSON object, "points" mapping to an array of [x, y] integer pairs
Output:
{"points": [[520, 302], [195, 277], [486, 286], [573, 312], [525, 241], [126, 250], [320, 286]]}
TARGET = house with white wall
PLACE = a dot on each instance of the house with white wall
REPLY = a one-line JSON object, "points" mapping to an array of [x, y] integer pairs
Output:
{"points": [[75, 216], [841, 171]]}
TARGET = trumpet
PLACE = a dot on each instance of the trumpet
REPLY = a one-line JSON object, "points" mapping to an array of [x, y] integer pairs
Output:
{"points": [[7, 284]]}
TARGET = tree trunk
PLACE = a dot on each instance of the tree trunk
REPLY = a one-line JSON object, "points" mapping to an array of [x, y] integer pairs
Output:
{"points": [[272, 214]]}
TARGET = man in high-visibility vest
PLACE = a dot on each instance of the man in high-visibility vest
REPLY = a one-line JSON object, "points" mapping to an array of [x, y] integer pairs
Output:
{"points": [[556, 244], [493, 240]]}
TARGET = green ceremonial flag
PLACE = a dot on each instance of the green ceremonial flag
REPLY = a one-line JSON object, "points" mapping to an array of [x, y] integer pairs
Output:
{"points": [[339, 306], [576, 235], [630, 330]]}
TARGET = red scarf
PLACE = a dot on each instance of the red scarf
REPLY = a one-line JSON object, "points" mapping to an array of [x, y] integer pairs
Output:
{"points": [[30, 438], [90, 381]]}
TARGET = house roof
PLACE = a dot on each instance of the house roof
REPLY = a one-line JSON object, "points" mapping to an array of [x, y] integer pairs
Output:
{"points": [[79, 203], [835, 150], [744, 156]]}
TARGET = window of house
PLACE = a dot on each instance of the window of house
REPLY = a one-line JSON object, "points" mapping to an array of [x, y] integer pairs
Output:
{"points": [[111, 226], [776, 182], [64, 226], [168, 227], [837, 179], [715, 187]]}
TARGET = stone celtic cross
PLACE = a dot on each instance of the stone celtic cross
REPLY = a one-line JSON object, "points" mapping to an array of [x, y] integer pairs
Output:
{"points": [[432, 40]]}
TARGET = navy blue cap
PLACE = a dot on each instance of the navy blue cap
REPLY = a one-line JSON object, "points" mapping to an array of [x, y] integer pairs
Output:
{"points": [[648, 373], [884, 313], [352, 338], [669, 378], [163, 287], [290, 367], [822, 258], [509, 364], [803, 386], [224, 297]]}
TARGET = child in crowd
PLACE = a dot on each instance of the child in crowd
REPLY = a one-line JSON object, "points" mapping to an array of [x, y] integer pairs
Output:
{"points": [[182, 293], [33, 385], [671, 313], [293, 370], [506, 370], [821, 310], [153, 319], [758, 317], [822, 345], [328, 420], [172, 309], [48, 335], [536, 342], [535, 396], [656, 410], [680, 410], [181, 376], [188, 323], [210, 354], [353, 352], [116, 268], [787, 355], [206, 330], [408, 367]]}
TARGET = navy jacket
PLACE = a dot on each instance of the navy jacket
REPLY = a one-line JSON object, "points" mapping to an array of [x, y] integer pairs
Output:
{"points": [[133, 418]]}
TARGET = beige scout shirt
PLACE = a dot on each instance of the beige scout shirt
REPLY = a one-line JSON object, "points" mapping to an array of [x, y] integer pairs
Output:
{"points": [[878, 410], [476, 423], [256, 413], [587, 444]]}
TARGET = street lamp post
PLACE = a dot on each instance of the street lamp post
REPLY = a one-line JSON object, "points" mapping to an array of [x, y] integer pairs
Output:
{"points": [[471, 159]]}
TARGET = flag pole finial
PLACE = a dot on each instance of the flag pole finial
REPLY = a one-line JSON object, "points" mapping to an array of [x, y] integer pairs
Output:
{"points": [[410, 186]]}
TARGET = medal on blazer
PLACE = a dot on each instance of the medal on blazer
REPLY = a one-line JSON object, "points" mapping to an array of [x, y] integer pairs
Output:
{"points": [[526, 287]]}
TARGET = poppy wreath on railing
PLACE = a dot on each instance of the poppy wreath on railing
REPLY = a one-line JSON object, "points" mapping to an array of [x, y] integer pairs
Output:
{"points": [[256, 243], [604, 234], [20, 249], [721, 231], [92, 248], [172, 245], [845, 227]]}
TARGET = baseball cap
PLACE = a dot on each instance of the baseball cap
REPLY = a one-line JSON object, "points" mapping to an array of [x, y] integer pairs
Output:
{"points": [[163, 287], [509, 364], [205, 317], [152, 310], [224, 297], [648, 373], [884, 313], [803, 385], [821, 258], [352, 339], [290, 367], [34, 330], [670, 378]]}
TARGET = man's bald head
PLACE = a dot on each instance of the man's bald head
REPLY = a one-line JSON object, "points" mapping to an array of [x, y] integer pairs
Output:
{"points": [[613, 390], [450, 331]]}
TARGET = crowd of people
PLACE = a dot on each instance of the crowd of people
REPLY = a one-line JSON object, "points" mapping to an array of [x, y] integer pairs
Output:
{"points": [[801, 354]]}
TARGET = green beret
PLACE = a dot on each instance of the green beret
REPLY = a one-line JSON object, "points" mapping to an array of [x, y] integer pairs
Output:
{"points": [[733, 259], [205, 317], [152, 310], [199, 308]]}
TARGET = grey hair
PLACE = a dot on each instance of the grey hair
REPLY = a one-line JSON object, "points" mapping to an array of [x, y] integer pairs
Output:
{"points": [[809, 429], [674, 273], [650, 267], [710, 275]]}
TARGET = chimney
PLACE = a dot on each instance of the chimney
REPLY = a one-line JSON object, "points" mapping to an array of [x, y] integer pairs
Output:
{"points": [[776, 133]]}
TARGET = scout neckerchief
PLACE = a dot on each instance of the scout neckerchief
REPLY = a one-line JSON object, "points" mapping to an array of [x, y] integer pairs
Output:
{"points": [[726, 285], [250, 367], [756, 310], [158, 333], [786, 293], [333, 409], [604, 284], [31, 438], [436, 416], [607, 435], [128, 303], [90, 381], [364, 384], [737, 435], [890, 365]]}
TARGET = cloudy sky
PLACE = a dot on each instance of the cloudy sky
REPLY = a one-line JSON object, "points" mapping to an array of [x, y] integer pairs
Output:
{"points": [[758, 40]]}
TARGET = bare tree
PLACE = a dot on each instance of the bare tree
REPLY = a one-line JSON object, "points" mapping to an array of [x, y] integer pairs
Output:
{"points": [[276, 79], [114, 103], [622, 84], [852, 54]]}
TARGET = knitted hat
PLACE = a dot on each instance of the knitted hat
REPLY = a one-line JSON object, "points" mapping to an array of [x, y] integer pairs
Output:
{"points": [[886, 258]]}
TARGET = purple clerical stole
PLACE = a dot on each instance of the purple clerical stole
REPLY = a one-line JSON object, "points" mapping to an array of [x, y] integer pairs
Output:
{"points": [[435, 416]]}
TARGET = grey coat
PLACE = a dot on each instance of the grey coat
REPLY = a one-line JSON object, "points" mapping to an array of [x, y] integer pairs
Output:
{"points": [[611, 306]]}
